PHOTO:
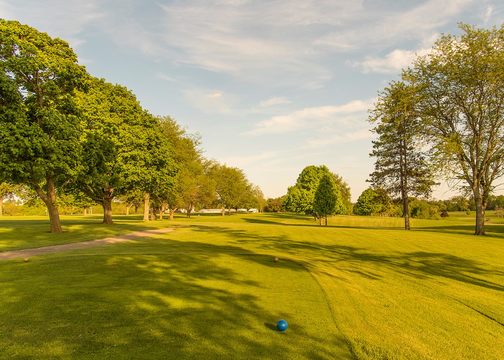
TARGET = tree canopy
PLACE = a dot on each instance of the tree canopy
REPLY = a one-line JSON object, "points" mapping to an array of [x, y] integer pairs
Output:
{"points": [[301, 196], [40, 128], [327, 200]]}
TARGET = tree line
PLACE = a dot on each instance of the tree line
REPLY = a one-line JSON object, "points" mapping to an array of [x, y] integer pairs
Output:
{"points": [[65, 132], [443, 118]]}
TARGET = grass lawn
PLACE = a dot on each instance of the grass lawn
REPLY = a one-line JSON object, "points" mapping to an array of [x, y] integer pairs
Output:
{"points": [[360, 288], [18, 232]]}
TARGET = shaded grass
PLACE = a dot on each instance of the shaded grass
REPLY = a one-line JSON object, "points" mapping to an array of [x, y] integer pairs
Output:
{"points": [[360, 288], [33, 231]]}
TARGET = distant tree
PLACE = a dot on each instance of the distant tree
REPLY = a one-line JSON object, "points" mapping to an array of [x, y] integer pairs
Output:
{"points": [[373, 202], [327, 199], [400, 167], [460, 86], [495, 202], [300, 197], [275, 204], [191, 185], [6, 191], [457, 203], [39, 123], [422, 209], [231, 186]]}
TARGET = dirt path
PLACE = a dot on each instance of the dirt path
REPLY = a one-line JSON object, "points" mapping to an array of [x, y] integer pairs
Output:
{"points": [[26, 253]]}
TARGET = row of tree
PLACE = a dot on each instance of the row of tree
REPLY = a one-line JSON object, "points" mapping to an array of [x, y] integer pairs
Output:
{"points": [[63, 131], [445, 116]]}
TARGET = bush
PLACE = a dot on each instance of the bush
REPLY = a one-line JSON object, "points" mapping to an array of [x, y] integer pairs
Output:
{"points": [[421, 209]]}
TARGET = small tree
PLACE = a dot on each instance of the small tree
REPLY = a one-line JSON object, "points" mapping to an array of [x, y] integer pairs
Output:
{"points": [[327, 199]]}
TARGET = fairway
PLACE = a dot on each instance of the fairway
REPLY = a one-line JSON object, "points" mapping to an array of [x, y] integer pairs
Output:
{"points": [[359, 288]]}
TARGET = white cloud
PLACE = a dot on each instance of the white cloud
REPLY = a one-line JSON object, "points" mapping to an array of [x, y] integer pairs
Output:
{"points": [[165, 77], [274, 101], [487, 15], [339, 138], [385, 28], [392, 63], [210, 101], [61, 18], [308, 117]]}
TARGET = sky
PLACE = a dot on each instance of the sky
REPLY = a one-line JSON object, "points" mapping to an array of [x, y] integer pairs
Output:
{"points": [[270, 86]]}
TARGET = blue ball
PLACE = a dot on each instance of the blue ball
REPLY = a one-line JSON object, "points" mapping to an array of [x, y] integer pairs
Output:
{"points": [[282, 325]]}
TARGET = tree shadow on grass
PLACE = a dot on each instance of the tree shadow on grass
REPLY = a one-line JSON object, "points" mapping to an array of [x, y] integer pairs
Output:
{"points": [[357, 260], [272, 222], [183, 300], [23, 234], [466, 230]]}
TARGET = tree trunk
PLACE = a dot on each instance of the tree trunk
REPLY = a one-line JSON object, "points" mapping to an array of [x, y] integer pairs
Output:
{"points": [[172, 213], [49, 199], [223, 211], [1, 205], [107, 210], [406, 212], [128, 207], [325, 219], [480, 213], [146, 207]]}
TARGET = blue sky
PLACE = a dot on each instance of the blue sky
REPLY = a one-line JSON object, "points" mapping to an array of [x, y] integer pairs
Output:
{"points": [[271, 86]]}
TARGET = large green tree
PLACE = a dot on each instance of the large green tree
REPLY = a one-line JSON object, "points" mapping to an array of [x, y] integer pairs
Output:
{"points": [[191, 186], [39, 128], [300, 197], [401, 167], [6, 191], [327, 200], [115, 139], [460, 84], [231, 186]]}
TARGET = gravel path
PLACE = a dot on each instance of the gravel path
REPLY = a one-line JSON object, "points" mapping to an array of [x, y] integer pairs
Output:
{"points": [[26, 253]]}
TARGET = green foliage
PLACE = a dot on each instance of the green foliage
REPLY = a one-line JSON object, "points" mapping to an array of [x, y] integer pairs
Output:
{"points": [[465, 129], [457, 203], [232, 187], [495, 202], [123, 148], [301, 197], [327, 198], [275, 204], [422, 209], [191, 186], [401, 168], [39, 128], [372, 202]]}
